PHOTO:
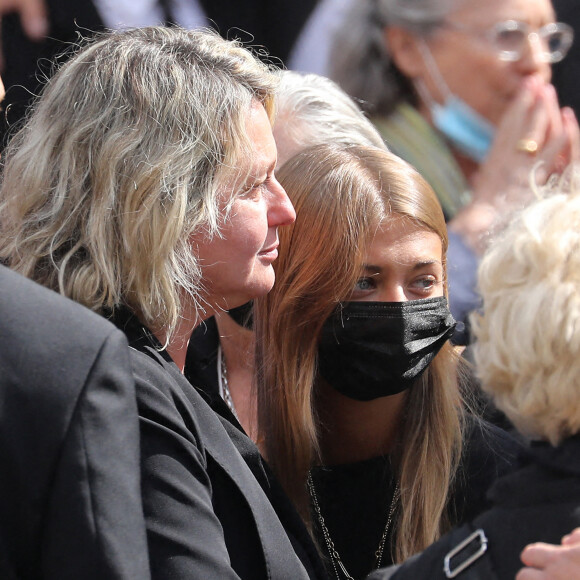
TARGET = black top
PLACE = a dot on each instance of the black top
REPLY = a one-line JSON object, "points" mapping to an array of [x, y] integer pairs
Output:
{"points": [[539, 502], [355, 498], [212, 507]]}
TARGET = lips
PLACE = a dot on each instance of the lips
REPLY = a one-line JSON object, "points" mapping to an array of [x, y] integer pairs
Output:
{"points": [[271, 252]]}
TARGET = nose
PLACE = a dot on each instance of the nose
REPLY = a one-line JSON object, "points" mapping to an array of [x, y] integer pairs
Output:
{"points": [[533, 58], [280, 211], [393, 293]]}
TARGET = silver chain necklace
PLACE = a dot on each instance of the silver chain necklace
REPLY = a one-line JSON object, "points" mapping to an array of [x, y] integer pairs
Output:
{"points": [[224, 386], [334, 556]]}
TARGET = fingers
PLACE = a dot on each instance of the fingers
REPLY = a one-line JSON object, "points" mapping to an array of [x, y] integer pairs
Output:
{"points": [[33, 15], [530, 574], [538, 555], [34, 18], [550, 562], [572, 131], [572, 538]]}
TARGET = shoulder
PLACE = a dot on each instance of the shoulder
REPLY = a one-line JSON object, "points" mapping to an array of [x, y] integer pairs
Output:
{"points": [[51, 345], [487, 444], [32, 313]]}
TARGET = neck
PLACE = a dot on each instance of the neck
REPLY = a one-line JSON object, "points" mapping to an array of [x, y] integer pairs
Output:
{"points": [[179, 341], [237, 345], [356, 430], [468, 166]]}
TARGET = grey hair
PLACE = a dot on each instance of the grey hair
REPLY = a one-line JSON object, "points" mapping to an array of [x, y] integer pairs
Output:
{"points": [[132, 147], [312, 110], [360, 61]]}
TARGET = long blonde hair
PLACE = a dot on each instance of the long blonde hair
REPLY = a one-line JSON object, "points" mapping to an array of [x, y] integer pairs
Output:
{"points": [[125, 155], [341, 194]]}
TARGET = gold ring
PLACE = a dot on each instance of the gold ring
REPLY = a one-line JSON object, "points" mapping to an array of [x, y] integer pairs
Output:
{"points": [[528, 146]]}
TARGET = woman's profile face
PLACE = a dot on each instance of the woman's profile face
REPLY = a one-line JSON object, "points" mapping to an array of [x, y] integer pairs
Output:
{"points": [[468, 60], [403, 262], [237, 266]]}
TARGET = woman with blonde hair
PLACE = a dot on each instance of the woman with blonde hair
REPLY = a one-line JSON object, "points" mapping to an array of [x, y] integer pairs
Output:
{"points": [[143, 187], [527, 351], [310, 110], [359, 407]]}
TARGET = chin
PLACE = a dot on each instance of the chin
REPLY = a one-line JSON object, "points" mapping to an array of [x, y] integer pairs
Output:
{"points": [[262, 286]]}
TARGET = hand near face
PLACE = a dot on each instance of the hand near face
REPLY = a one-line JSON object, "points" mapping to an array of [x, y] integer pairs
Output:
{"points": [[550, 562], [534, 120]]}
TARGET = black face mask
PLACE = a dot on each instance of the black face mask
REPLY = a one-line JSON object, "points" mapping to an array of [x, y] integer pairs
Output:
{"points": [[243, 315], [369, 350]]}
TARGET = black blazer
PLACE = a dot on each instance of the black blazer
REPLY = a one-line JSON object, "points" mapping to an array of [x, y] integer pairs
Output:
{"points": [[212, 508], [539, 502], [70, 505]]}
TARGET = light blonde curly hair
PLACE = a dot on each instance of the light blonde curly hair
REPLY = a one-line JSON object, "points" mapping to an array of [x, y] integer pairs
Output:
{"points": [[527, 348]]}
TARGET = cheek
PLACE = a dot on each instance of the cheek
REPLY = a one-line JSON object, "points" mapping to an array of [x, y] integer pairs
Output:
{"points": [[248, 226]]}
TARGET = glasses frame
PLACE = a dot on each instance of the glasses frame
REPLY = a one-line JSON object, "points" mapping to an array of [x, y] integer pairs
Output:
{"points": [[491, 36]]}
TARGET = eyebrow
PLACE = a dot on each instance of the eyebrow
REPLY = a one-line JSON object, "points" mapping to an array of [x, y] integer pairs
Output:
{"points": [[254, 178], [417, 266]]}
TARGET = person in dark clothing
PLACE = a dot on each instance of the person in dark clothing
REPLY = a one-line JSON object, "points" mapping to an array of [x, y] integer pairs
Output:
{"points": [[566, 74], [36, 32], [143, 187], [527, 352], [70, 500], [358, 402]]}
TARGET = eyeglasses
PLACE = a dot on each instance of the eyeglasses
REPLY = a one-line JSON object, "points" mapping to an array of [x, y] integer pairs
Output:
{"points": [[510, 39]]}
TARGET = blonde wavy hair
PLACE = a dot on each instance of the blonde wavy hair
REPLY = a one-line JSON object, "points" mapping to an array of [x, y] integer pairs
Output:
{"points": [[342, 194], [528, 338], [131, 148]]}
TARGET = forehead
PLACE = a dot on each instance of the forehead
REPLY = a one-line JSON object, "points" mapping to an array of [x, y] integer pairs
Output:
{"points": [[400, 240], [262, 148], [489, 12], [253, 159]]}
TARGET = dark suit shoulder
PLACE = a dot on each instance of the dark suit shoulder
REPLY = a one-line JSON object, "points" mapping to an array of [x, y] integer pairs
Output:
{"points": [[70, 503], [27, 308]]}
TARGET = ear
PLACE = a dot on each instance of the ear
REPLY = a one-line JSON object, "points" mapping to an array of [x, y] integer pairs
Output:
{"points": [[403, 46]]}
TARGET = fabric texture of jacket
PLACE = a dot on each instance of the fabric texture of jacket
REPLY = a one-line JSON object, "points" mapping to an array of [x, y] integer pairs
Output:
{"points": [[212, 508], [70, 503], [539, 502]]}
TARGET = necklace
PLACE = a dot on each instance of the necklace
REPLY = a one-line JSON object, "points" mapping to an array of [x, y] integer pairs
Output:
{"points": [[223, 384], [334, 556]]}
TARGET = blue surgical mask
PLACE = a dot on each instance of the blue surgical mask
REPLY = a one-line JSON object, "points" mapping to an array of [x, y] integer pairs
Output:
{"points": [[464, 127]]}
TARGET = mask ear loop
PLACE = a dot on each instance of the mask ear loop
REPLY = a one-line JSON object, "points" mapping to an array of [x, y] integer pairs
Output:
{"points": [[436, 77]]}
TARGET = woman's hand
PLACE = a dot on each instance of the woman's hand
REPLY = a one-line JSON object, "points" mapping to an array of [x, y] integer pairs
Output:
{"points": [[550, 562], [534, 132], [535, 139]]}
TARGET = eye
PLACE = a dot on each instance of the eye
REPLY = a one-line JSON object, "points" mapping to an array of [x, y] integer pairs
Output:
{"points": [[364, 285], [425, 284], [255, 190]]}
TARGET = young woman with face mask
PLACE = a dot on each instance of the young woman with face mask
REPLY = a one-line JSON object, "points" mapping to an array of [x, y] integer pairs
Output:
{"points": [[461, 90], [359, 407]]}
